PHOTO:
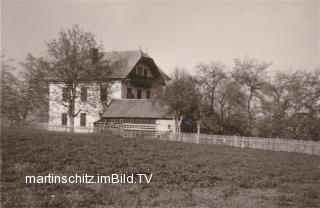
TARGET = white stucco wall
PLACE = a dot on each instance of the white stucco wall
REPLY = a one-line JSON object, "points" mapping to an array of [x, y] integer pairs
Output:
{"points": [[163, 125], [92, 107]]}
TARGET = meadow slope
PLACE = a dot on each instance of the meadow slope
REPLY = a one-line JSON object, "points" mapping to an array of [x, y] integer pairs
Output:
{"points": [[184, 175]]}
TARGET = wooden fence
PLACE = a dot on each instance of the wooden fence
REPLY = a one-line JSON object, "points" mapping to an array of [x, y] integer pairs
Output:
{"points": [[65, 128], [130, 130], [275, 144]]}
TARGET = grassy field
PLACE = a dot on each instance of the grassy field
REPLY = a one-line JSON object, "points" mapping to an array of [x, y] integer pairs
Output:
{"points": [[184, 175]]}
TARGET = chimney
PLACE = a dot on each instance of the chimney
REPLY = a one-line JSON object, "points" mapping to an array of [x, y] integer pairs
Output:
{"points": [[94, 55]]}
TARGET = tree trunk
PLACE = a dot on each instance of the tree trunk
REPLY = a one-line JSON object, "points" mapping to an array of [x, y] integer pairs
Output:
{"points": [[72, 107], [249, 111], [177, 122], [198, 130], [71, 118]]}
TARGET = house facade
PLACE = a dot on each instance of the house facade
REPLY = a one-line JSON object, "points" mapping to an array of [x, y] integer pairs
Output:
{"points": [[137, 77]]}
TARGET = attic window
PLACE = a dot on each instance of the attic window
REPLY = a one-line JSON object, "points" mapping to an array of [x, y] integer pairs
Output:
{"points": [[139, 70], [145, 72]]}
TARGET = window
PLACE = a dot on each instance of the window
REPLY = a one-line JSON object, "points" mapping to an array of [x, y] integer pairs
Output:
{"points": [[83, 119], [145, 72], [148, 94], [84, 94], [129, 93], [64, 119], [103, 93], [138, 94], [139, 71], [64, 94]]}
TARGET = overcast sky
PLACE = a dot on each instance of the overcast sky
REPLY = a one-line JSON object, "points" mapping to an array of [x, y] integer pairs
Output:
{"points": [[174, 33]]}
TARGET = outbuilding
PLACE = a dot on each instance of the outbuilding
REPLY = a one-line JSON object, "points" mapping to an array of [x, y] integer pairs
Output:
{"points": [[136, 117]]}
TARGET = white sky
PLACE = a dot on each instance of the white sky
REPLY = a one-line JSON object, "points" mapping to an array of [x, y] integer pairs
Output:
{"points": [[175, 33]]}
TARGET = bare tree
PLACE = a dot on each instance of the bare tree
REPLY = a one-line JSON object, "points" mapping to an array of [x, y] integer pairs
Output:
{"points": [[73, 60], [210, 76], [13, 108], [35, 88], [251, 74]]}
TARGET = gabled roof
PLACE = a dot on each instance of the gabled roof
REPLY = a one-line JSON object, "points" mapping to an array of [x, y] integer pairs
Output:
{"points": [[128, 59], [123, 63], [137, 108]]}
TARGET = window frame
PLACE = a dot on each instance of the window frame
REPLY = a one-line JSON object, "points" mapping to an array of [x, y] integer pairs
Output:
{"points": [[148, 94], [83, 123], [139, 94], [103, 93], [65, 94], [64, 119], [145, 72], [129, 93], [84, 94]]}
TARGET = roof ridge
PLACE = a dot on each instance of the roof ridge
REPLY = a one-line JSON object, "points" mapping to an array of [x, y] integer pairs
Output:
{"points": [[119, 51]]}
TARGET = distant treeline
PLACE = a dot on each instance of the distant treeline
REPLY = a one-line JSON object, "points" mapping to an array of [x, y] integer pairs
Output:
{"points": [[246, 100]]}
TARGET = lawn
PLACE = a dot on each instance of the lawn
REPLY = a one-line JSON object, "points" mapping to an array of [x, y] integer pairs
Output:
{"points": [[184, 175]]}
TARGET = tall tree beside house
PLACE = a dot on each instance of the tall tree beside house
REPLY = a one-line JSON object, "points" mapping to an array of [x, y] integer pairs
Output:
{"points": [[74, 59], [180, 95]]}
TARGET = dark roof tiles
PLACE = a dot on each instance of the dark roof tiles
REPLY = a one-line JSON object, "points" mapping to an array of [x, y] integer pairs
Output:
{"points": [[136, 108]]}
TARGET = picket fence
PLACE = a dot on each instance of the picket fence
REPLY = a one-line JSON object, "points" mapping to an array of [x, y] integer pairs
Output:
{"points": [[275, 144]]}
